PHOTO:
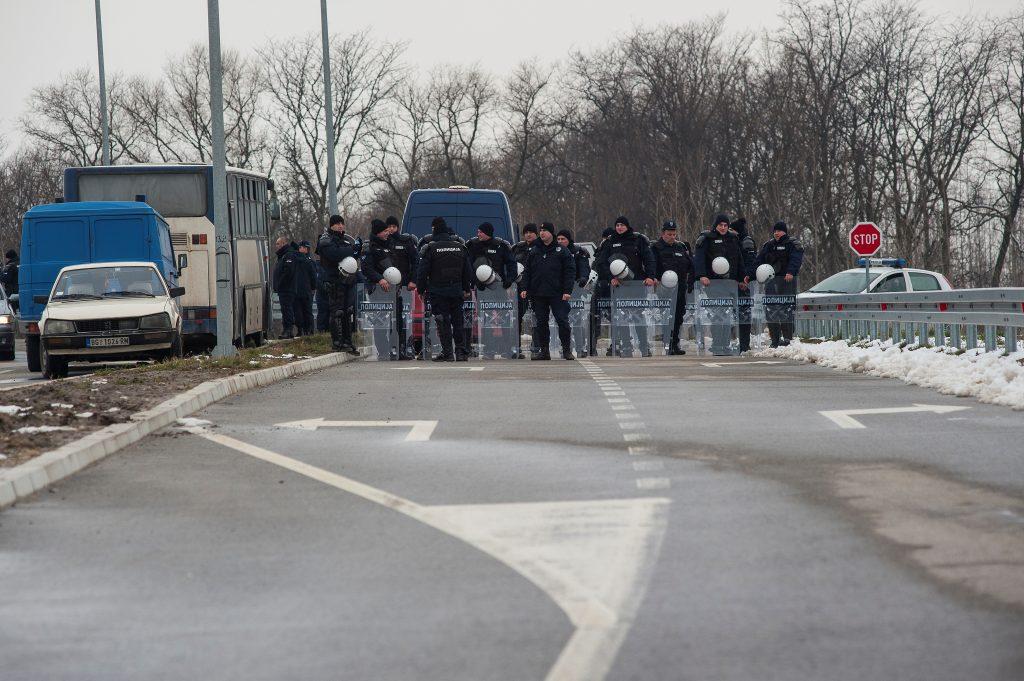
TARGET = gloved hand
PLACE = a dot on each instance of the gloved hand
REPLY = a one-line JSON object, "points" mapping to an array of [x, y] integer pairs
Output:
{"points": [[358, 245]]}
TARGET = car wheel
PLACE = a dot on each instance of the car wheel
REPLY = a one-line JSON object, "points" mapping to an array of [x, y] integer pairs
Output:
{"points": [[53, 367], [176, 349], [6, 356], [32, 353]]}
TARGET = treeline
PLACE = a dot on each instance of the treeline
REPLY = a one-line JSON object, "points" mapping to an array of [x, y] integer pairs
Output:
{"points": [[850, 111]]}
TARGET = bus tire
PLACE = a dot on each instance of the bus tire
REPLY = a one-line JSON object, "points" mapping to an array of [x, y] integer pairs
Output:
{"points": [[32, 353]]}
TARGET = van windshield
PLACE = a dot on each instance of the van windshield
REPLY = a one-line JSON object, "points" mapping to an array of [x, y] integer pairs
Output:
{"points": [[464, 212], [108, 282]]}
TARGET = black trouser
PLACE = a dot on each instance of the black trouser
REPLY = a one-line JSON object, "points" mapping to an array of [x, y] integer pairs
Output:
{"points": [[303, 306], [448, 316], [323, 310], [677, 317], [781, 330], [287, 301], [597, 312], [744, 320], [341, 306], [544, 307]]}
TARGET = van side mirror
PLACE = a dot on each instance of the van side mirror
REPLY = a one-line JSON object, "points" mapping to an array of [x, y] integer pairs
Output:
{"points": [[182, 261], [177, 291], [40, 300]]}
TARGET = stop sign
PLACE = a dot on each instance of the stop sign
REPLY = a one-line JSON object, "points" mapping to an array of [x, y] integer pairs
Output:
{"points": [[865, 238]]}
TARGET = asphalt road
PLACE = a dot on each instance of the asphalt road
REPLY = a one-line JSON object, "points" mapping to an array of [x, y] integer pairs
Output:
{"points": [[669, 518]]}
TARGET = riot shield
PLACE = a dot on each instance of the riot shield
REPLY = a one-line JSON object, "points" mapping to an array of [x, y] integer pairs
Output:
{"points": [[779, 303], [755, 316], [638, 316], [579, 323], [497, 322], [375, 308], [601, 321], [716, 317], [663, 316], [410, 320]]}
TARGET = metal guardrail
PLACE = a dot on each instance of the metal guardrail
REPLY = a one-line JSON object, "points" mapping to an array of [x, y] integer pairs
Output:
{"points": [[954, 318]]}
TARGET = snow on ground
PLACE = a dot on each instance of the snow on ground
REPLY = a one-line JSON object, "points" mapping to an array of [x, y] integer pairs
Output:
{"points": [[11, 409], [991, 377], [189, 422], [32, 430]]}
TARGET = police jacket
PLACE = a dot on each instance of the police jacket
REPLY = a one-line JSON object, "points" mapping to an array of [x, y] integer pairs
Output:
{"points": [[550, 270], [711, 245], [285, 269], [305, 275], [332, 248], [444, 267], [521, 251], [405, 255], [634, 248], [582, 260], [430, 238], [494, 252], [378, 257], [748, 248], [674, 257], [785, 255]]}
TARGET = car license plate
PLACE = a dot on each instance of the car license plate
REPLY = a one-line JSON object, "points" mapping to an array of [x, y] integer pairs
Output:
{"points": [[106, 342]]}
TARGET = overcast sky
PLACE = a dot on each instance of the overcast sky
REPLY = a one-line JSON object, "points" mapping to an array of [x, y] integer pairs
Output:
{"points": [[44, 38]]}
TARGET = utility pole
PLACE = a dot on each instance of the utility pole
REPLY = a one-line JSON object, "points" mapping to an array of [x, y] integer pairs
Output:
{"points": [[225, 312], [104, 123], [332, 184]]}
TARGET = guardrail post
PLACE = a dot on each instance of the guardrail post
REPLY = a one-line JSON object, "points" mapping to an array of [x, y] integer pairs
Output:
{"points": [[990, 338], [923, 331], [1011, 339], [954, 336], [972, 336]]}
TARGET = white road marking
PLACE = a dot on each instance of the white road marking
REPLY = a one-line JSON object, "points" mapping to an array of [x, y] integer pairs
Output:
{"points": [[648, 466], [632, 425], [639, 451], [653, 483], [636, 437], [844, 417], [617, 393], [716, 365], [619, 401], [628, 414], [621, 407], [420, 431], [592, 558]]}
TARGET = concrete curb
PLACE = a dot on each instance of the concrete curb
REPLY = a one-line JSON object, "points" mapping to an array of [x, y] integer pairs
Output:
{"points": [[46, 469]]}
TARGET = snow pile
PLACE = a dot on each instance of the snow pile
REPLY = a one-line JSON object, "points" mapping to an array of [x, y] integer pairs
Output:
{"points": [[189, 422], [32, 430], [991, 377], [11, 410]]}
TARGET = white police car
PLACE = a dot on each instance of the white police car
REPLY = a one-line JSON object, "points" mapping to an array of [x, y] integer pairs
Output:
{"points": [[888, 275], [108, 311]]}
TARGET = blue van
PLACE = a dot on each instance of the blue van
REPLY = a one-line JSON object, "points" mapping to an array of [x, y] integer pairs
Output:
{"points": [[462, 208], [56, 235]]}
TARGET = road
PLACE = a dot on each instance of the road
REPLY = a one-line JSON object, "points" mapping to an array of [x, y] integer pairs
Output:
{"points": [[669, 518]]}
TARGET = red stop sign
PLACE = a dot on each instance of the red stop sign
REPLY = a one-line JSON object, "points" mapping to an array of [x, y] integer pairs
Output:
{"points": [[865, 238]]}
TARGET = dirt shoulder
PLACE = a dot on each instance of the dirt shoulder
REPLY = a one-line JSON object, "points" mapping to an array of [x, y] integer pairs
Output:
{"points": [[38, 419]]}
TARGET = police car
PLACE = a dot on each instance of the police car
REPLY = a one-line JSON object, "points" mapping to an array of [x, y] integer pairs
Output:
{"points": [[888, 275]]}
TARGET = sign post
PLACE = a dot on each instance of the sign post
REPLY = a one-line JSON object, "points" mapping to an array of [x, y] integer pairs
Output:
{"points": [[865, 241]]}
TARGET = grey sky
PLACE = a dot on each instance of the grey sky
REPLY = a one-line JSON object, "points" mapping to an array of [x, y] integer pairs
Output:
{"points": [[43, 38]]}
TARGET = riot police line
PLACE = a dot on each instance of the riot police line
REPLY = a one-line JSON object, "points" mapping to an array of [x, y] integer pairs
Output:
{"points": [[445, 299]]}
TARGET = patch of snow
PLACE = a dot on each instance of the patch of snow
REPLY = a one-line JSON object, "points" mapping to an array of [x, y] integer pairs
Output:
{"points": [[990, 377], [286, 355], [61, 405], [3, 457], [11, 410], [32, 430], [252, 361], [100, 381], [189, 422], [113, 410], [84, 415], [47, 413]]}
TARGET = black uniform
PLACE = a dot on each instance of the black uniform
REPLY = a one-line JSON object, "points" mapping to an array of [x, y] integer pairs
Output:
{"points": [[376, 259], [340, 289], [444, 276], [285, 270], [405, 255], [675, 258], [520, 252], [550, 273], [711, 245], [305, 287], [9, 275], [496, 253], [785, 255], [323, 306], [635, 249]]}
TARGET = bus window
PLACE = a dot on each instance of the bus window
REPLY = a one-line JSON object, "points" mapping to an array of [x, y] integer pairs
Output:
{"points": [[173, 195]]}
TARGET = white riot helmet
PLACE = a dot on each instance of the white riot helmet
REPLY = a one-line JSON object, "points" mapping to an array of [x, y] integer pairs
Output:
{"points": [[765, 272], [485, 275], [619, 269], [520, 268], [669, 279], [393, 276], [720, 265], [348, 266]]}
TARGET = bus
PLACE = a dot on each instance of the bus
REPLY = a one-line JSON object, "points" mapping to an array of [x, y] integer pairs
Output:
{"points": [[183, 195]]}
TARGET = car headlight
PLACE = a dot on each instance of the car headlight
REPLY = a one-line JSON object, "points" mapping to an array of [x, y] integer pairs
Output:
{"points": [[161, 320], [54, 326], [6, 319]]}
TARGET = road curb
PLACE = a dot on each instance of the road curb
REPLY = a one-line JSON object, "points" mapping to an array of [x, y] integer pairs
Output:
{"points": [[46, 469]]}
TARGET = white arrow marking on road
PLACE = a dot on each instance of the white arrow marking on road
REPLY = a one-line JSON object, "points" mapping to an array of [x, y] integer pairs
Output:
{"points": [[421, 430], [715, 365], [437, 368], [844, 417]]}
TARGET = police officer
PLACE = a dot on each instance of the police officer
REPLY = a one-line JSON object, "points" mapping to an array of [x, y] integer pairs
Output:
{"points": [[635, 250], [376, 259], [785, 255], [548, 280], [323, 307], [599, 303], [719, 242], [496, 253], [285, 283], [672, 255], [581, 259], [521, 251], [305, 286], [405, 256], [749, 252], [444, 277], [334, 246], [9, 275]]}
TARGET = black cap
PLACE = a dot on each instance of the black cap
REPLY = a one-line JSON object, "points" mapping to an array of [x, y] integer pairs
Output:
{"points": [[11, 254], [530, 227], [392, 220], [336, 219], [487, 228], [622, 220], [669, 224], [566, 233], [306, 244], [377, 226], [439, 225], [608, 231], [781, 226], [547, 227], [740, 225], [720, 218]]}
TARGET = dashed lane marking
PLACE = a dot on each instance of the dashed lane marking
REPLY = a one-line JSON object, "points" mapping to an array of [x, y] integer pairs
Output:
{"points": [[648, 466], [653, 483], [636, 437]]}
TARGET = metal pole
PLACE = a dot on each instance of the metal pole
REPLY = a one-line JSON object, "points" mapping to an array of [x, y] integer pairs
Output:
{"points": [[225, 312], [104, 123], [332, 184]]}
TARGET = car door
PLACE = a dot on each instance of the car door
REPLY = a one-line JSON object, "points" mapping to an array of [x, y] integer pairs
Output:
{"points": [[923, 281], [892, 283]]}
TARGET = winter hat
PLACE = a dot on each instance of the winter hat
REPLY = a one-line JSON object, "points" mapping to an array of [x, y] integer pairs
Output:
{"points": [[781, 226], [669, 224], [622, 220], [608, 231], [547, 227], [720, 218], [11, 254], [740, 225], [377, 226], [566, 233], [337, 219], [306, 244], [438, 225], [392, 220], [487, 228], [530, 227]]}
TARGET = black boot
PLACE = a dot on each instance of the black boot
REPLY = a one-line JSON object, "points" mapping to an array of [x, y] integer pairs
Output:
{"points": [[567, 352]]}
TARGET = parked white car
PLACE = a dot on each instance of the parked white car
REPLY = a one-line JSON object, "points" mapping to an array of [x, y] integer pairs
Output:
{"points": [[108, 311], [885, 278]]}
